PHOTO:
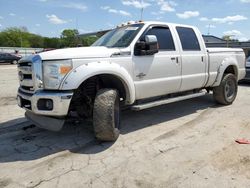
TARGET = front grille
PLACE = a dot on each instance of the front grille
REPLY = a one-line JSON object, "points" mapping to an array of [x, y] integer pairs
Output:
{"points": [[25, 77]]}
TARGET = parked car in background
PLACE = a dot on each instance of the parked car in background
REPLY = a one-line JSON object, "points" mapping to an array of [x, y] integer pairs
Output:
{"points": [[9, 58], [45, 50]]}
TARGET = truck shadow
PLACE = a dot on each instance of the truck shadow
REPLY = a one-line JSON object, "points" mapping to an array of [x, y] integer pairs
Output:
{"points": [[25, 142], [152, 116], [244, 83]]}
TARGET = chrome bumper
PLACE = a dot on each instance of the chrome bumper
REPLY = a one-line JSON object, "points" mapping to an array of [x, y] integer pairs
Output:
{"points": [[61, 101]]}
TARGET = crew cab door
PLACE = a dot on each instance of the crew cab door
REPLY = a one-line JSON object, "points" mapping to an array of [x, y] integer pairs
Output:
{"points": [[160, 73], [193, 57]]}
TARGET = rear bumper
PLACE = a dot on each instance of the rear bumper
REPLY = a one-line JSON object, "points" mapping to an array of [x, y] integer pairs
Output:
{"points": [[60, 102]]}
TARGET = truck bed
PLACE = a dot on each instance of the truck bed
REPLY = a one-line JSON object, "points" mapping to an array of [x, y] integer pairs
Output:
{"points": [[216, 56]]}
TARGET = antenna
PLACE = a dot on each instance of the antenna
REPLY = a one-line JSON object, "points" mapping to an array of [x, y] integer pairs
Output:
{"points": [[208, 32], [141, 9]]}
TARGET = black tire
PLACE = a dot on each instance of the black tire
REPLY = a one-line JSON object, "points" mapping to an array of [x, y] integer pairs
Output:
{"points": [[226, 92], [106, 115]]}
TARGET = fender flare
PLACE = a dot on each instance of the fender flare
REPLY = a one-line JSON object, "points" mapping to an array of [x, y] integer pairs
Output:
{"points": [[223, 66], [78, 75]]}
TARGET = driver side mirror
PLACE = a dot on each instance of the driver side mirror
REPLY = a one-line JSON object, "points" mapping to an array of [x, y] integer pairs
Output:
{"points": [[149, 46]]}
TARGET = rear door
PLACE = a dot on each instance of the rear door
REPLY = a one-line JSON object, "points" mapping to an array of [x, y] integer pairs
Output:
{"points": [[160, 73], [193, 57]]}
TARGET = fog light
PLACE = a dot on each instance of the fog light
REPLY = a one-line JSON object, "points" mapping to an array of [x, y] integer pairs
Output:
{"points": [[49, 104], [45, 104]]}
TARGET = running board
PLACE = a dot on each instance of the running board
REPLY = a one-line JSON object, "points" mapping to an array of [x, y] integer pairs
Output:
{"points": [[166, 101]]}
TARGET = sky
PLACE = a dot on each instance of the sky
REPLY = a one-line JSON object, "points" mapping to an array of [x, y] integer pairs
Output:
{"points": [[51, 17]]}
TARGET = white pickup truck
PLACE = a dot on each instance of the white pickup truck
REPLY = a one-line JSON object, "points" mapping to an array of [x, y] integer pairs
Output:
{"points": [[139, 65]]}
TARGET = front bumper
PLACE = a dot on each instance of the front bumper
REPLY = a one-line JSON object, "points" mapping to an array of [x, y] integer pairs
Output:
{"points": [[61, 101]]}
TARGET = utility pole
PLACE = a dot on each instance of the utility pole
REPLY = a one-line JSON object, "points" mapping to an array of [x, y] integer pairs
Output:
{"points": [[21, 39], [76, 24], [141, 9], [228, 38]]}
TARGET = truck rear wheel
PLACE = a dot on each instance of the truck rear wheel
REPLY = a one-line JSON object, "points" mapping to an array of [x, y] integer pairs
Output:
{"points": [[226, 92], [106, 115]]}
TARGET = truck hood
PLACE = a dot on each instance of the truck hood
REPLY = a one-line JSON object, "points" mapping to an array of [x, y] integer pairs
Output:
{"points": [[78, 53]]}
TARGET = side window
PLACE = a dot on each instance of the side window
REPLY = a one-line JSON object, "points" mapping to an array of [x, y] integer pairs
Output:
{"points": [[188, 39], [164, 37]]}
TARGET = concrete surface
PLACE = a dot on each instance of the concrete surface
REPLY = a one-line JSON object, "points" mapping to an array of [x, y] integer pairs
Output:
{"points": [[9, 111], [184, 144]]}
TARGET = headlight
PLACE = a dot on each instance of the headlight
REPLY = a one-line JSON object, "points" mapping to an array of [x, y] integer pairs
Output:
{"points": [[54, 72]]}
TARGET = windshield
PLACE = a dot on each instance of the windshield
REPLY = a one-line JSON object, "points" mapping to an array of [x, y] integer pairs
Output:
{"points": [[119, 37], [248, 59]]}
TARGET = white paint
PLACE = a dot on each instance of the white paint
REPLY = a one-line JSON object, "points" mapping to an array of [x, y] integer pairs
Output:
{"points": [[163, 74]]}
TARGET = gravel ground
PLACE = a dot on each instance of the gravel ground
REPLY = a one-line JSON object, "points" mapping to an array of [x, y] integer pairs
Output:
{"points": [[184, 144]]}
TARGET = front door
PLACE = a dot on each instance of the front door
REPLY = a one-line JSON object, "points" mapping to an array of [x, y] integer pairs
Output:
{"points": [[158, 74]]}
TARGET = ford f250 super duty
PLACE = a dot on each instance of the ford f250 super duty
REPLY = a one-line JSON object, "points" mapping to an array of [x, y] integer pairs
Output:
{"points": [[138, 65]]}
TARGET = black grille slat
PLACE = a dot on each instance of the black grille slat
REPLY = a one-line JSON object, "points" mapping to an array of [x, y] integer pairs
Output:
{"points": [[22, 64], [27, 76], [27, 88]]}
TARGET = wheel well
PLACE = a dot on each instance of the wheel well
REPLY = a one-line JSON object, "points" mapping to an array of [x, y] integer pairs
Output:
{"points": [[111, 81], [84, 95], [231, 69]]}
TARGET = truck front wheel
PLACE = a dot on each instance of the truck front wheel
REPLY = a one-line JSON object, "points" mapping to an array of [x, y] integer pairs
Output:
{"points": [[226, 92], [106, 115]]}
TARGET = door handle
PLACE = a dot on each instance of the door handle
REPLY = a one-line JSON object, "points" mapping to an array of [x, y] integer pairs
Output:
{"points": [[176, 59], [141, 75]]}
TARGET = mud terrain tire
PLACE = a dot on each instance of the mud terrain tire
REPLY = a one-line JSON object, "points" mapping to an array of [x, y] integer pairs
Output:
{"points": [[226, 92], [106, 115]]}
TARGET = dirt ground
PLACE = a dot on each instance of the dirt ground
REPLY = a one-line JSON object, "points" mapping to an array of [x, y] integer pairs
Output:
{"points": [[184, 144]]}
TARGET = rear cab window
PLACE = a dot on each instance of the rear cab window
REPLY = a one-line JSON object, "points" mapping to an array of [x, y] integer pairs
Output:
{"points": [[188, 38]]}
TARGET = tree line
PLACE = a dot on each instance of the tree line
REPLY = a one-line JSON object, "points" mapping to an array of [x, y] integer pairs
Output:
{"points": [[21, 37]]}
